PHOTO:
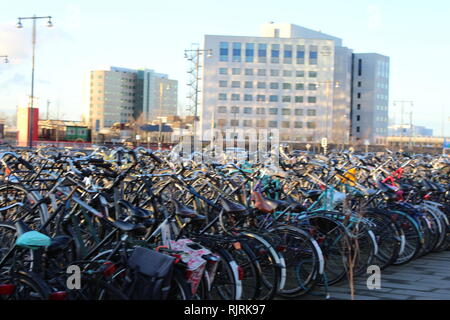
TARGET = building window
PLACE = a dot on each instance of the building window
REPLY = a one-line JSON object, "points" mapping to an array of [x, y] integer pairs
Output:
{"points": [[261, 85], [260, 98], [275, 53], [248, 72], [358, 129], [313, 74], [222, 109], [261, 72], [300, 55], [312, 100], [300, 74], [237, 52], [249, 52], [273, 98], [224, 51], [248, 97], [286, 112], [247, 123], [260, 111], [235, 84], [223, 71], [248, 84], [312, 86], [299, 86], [287, 73], [311, 125], [286, 99], [287, 54], [359, 106], [298, 124], [234, 122], [358, 118], [235, 97], [313, 55], [285, 124], [222, 96], [274, 85], [234, 110], [222, 84], [222, 122], [236, 71], [359, 67], [273, 124], [359, 95], [311, 113], [359, 84], [299, 99], [273, 111], [260, 123], [247, 110], [287, 86], [274, 73], [262, 53]]}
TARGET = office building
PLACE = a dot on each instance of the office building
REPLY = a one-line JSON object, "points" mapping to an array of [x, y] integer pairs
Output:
{"points": [[291, 78], [123, 96]]}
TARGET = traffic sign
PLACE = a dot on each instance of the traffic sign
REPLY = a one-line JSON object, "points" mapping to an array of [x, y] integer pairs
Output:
{"points": [[324, 142]]}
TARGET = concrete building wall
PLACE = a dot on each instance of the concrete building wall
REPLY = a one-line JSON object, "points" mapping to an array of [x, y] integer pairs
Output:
{"points": [[370, 100], [296, 89]]}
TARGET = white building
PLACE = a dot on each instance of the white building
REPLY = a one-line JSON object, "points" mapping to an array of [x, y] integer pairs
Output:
{"points": [[122, 95], [290, 78]]}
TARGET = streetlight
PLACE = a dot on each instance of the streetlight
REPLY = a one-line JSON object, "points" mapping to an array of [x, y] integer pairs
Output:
{"points": [[161, 102], [20, 26], [5, 59]]}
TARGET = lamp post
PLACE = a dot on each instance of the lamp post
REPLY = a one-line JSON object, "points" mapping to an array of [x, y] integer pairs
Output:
{"points": [[20, 26], [161, 105], [5, 59], [328, 84]]}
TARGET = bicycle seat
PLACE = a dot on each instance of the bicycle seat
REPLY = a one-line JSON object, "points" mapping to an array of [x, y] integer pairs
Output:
{"points": [[232, 207], [311, 194], [128, 227], [59, 243], [186, 211]]}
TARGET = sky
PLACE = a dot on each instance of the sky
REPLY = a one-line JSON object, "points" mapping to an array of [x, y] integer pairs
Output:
{"points": [[92, 35]]}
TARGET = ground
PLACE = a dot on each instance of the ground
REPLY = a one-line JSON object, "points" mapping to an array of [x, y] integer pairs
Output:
{"points": [[427, 278]]}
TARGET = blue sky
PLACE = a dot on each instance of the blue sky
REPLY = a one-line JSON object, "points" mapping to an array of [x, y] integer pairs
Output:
{"points": [[153, 34]]}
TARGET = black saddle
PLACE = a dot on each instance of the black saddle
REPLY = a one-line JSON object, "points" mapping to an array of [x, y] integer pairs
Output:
{"points": [[185, 211], [232, 207]]}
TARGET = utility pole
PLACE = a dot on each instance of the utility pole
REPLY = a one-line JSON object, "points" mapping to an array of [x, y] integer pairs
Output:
{"points": [[48, 107], [402, 104]]}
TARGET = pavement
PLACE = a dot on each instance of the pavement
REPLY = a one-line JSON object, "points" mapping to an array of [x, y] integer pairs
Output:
{"points": [[427, 278]]}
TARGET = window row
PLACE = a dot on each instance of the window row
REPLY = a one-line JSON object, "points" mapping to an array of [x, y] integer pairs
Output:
{"points": [[266, 124], [265, 85], [263, 53], [264, 72], [270, 111], [262, 98]]}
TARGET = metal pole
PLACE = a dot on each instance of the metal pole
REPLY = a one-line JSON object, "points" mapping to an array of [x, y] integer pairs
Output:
{"points": [[32, 85]]}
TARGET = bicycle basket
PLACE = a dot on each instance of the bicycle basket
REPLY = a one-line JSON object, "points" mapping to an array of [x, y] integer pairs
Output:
{"points": [[150, 273]]}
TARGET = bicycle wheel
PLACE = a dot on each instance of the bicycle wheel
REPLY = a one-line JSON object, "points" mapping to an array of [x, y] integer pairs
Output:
{"points": [[303, 257]]}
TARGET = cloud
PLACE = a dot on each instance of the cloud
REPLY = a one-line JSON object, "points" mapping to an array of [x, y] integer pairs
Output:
{"points": [[374, 20], [15, 44]]}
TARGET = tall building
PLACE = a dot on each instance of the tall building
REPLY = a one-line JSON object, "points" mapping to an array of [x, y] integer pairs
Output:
{"points": [[121, 95], [370, 98], [290, 78]]}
